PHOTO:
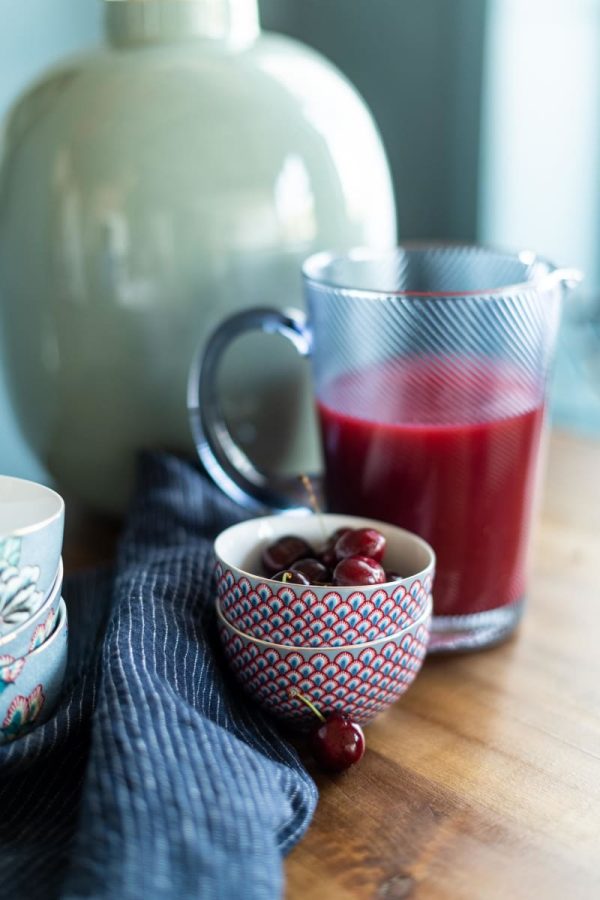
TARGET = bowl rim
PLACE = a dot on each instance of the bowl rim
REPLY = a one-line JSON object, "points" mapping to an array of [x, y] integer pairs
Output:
{"points": [[6, 639], [41, 523], [426, 614], [61, 623], [364, 521]]}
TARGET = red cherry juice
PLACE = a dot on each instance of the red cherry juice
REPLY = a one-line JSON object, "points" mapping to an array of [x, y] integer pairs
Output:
{"points": [[447, 452]]}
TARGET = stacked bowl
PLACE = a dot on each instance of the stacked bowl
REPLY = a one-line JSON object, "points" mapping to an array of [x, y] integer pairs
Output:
{"points": [[353, 650], [33, 616]]}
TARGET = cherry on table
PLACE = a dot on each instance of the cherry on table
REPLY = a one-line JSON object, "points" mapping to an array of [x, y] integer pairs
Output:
{"points": [[358, 570], [337, 742]]}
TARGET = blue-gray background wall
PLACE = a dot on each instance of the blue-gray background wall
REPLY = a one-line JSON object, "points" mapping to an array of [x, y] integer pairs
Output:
{"points": [[489, 110]]}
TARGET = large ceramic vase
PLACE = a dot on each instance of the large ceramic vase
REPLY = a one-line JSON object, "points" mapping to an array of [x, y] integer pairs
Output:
{"points": [[149, 189]]}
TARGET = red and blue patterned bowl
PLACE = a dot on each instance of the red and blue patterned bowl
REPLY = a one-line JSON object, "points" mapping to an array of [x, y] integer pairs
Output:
{"points": [[359, 680], [300, 616]]}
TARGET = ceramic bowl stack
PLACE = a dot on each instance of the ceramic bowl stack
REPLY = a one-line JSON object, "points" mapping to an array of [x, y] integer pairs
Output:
{"points": [[33, 616], [350, 649]]}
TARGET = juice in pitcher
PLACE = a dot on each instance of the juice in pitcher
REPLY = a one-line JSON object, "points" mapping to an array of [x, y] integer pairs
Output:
{"points": [[445, 452]]}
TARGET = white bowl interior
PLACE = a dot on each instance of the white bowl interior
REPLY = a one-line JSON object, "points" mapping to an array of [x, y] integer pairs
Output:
{"points": [[26, 506], [241, 546]]}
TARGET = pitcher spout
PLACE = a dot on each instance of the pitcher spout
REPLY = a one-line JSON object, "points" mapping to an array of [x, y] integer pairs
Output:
{"points": [[567, 278]]}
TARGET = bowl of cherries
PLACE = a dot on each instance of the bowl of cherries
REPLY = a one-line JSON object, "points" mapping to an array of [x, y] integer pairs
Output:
{"points": [[323, 611]]}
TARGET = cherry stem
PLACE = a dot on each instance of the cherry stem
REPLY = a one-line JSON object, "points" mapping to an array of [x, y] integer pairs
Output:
{"points": [[312, 498], [287, 576], [294, 692]]}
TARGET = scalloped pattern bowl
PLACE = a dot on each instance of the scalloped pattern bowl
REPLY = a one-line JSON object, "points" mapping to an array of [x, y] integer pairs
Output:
{"points": [[297, 615], [359, 680]]}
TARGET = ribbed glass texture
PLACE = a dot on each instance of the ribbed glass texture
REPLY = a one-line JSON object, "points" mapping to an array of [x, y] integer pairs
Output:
{"points": [[466, 314]]}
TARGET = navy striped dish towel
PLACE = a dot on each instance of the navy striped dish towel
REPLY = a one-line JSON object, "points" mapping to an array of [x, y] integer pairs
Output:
{"points": [[156, 778]]}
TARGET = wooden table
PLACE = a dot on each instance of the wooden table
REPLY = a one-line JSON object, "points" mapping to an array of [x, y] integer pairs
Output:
{"points": [[484, 781]]}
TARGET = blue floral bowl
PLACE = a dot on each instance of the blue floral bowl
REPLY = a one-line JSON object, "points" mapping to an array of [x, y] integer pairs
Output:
{"points": [[30, 685], [37, 627], [31, 534]]}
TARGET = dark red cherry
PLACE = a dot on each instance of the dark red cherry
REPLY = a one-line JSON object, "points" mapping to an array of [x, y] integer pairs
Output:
{"points": [[361, 542], [337, 743], [392, 576], [313, 570], [283, 553], [327, 554], [339, 532], [327, 557], [357, 570], [291, 576]]}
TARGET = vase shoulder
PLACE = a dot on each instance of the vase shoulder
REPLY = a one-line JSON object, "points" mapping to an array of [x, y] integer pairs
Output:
{"points": [[147, 192]]}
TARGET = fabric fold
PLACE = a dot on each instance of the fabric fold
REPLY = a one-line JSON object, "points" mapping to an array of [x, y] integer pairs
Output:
{"points": [[187, 790]]}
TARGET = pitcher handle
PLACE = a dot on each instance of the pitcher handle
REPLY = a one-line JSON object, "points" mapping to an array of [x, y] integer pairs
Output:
{"points": [[223, 458]]}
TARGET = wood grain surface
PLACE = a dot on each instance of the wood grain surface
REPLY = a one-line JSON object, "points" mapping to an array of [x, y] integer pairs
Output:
{"points": [[484, 780]]}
